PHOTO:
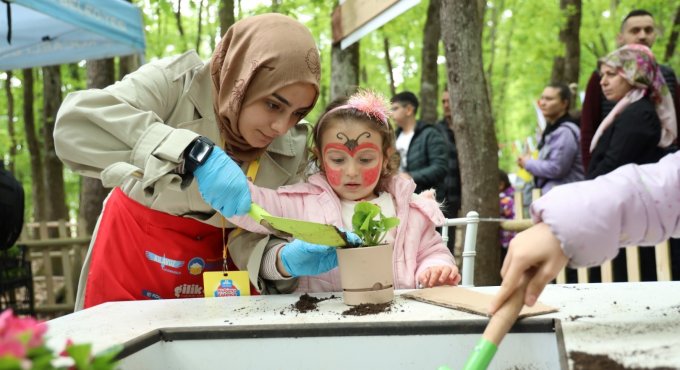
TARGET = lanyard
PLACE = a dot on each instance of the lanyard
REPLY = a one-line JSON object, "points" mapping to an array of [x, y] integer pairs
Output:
{"points": [[251, 173]]}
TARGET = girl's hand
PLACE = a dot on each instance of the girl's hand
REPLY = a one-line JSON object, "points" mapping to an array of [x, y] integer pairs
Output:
{"points": [[534, 254], [439, 275]]}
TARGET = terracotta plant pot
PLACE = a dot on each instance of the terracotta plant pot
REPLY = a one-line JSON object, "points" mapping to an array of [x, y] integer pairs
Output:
{"points": [[366, 274]]}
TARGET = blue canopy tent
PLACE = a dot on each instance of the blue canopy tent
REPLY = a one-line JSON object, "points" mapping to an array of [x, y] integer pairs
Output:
{"points": [[35, 33]]}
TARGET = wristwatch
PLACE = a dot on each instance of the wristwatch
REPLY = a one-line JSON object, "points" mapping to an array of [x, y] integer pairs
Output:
{"points": [[196, 154]]}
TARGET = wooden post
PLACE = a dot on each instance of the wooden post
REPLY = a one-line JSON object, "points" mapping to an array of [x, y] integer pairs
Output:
{"points": [[69, 291], [663, 261], [633, 263], [47, 264], [606, 272]]}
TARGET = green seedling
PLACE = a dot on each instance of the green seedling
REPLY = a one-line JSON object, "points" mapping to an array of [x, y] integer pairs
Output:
{"points": [[370, 224]]}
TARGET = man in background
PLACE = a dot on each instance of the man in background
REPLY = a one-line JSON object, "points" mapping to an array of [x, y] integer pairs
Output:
{"points": [[421, 147], [425, 154]]}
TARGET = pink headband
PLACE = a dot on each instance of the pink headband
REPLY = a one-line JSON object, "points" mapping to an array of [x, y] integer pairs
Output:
{"points": [[370, 103]]}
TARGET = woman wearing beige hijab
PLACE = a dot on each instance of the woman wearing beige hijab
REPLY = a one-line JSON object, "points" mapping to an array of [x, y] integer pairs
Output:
{"points": [[176, 119]]}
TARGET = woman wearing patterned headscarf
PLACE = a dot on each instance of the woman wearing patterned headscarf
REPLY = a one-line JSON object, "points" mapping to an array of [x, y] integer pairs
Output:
{"points": [[642, 125], [179, 119]]}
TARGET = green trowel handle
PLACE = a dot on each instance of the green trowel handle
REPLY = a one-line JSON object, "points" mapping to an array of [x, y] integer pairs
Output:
{"points": [[481, 356], [257, 212]]}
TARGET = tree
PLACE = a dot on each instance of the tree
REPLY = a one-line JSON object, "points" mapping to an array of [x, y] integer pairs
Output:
{"points": [[428, 78], [54, 169], [226, 13], [34, 150], [180, 28], [344, 70], [461, 28], [388, 62], [10, 124], [566, 68], [127, 64], [672, 41]]}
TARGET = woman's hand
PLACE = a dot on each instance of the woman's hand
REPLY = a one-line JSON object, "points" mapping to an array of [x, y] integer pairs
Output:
{"points": [[521, 161], [439, 275], [533, 254], [223, 185]]}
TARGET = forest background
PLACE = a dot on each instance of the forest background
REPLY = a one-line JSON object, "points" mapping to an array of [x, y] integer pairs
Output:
{"points": [[525, 44]]}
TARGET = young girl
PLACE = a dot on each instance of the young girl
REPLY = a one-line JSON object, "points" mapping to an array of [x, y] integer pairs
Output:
{"points": [[354, 149]]}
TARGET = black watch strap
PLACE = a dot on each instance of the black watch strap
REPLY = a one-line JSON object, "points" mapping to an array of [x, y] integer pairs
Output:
{"points": [[197, 153]]}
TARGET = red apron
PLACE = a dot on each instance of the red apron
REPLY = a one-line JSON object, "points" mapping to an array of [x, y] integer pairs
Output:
{"points": [[140, 253]]}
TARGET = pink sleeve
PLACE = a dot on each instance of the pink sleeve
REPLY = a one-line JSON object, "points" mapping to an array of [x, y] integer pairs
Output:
{"points": [[432, 251], [633, 205]]}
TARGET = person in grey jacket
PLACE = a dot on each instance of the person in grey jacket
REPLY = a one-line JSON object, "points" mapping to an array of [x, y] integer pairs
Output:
{"points": [[559, 158]]}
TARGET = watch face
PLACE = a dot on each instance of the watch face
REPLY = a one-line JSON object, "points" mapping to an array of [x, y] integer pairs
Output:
{"points": [[199, 152]]}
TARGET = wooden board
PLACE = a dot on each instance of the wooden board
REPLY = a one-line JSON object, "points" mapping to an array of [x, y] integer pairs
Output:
{"points": [[470, 301]]}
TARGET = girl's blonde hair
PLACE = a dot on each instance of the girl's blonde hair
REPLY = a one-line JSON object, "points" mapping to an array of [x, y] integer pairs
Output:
{"points": [[370, 109]]}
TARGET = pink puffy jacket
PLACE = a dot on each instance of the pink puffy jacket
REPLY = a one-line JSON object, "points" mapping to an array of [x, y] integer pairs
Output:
{"points": [[417, 244]]}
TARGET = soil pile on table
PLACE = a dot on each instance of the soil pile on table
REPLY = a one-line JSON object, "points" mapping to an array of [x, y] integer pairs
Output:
{"points": [[368, 309], [308, 303], [587, 361]]}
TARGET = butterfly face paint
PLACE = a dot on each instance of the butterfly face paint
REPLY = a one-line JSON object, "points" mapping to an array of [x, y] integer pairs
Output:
{"points": [[352, 160]]}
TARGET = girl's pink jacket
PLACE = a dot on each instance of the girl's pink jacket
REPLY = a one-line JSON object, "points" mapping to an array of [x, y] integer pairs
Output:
{"points": [[633, 205], [417, 244]]}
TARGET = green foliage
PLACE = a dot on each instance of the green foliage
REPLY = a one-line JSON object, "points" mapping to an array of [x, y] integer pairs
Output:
{"points": [[370, 224]]}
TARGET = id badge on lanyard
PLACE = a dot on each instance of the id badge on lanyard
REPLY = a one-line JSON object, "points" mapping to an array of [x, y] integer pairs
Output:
{"points": [[227, 283]]}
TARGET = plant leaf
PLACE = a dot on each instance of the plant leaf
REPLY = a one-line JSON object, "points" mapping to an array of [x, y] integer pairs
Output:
{"points": [[390, 222], [370, 224], [10, 363], [80, 354]]}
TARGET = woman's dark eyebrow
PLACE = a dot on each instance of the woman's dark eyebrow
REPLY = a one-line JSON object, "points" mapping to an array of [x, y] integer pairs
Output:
{"points": [[281, 98], [285, 101]]}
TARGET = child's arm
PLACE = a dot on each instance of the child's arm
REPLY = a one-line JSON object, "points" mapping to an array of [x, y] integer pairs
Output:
{"points": [[585, 223], [436, 265]]}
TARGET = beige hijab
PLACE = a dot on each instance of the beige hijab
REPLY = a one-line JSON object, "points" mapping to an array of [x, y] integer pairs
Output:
{"points": [[257, 56]]}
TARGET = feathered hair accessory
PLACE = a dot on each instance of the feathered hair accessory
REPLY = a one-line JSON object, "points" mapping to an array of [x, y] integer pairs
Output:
{"points": [[371, 103]]}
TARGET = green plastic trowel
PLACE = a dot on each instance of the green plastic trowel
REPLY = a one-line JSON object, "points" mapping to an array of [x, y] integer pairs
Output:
{"points": [[311, 232]]}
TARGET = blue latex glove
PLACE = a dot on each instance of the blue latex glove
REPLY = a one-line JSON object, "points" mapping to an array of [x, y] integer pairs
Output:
{"points": [[223, 185], [301, 258], [353, 240]]}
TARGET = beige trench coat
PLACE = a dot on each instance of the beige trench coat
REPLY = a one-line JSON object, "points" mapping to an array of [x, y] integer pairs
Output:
{"points": [[132, 134]]}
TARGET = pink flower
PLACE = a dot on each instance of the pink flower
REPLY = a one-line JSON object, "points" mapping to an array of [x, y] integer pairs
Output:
{"points": [[19, 336], [12, 348], [26, 329]]}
